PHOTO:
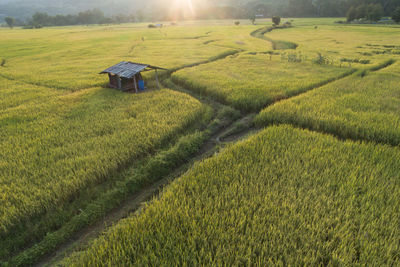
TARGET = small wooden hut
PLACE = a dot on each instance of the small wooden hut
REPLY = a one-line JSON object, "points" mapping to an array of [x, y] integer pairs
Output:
{"points": [[127, 76]]}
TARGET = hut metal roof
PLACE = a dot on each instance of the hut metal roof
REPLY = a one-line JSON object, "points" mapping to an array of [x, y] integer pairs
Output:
{"points": [[127, 69]]}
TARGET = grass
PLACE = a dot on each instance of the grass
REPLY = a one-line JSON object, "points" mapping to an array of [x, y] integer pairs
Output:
{"points": [[53, 145], [283, 197], [131, 180], [366, 108], [70, 58], [62, 133], [276, 44], [238, 37], [339, 41], [72, 150], [250, 82]]}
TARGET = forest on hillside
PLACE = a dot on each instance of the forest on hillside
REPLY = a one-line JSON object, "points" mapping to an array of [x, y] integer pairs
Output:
{"points": [[156, 10]]}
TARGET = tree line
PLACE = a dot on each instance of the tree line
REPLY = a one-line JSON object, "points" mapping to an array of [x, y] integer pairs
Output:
{"points": [[94, 16], [311, 8], [371, 10]]}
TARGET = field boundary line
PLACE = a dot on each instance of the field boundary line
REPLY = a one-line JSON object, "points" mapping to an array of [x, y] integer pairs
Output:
{"points": [[218, 99], [131, 205], [316, 87], [210, 60], [382, 65], [321, 130], [276, 44], [47, 86], [333, 134]]}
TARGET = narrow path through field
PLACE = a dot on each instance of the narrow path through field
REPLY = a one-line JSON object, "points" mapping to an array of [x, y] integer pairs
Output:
{"points": [[232, 133], [136, 201], [133, 203]]}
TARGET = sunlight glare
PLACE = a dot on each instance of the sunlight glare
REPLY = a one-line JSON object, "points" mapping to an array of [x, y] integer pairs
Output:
{"points": [[184, 5]]}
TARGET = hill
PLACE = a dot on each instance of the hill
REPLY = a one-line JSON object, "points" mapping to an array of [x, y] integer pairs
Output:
{"points": [[24, 9]]}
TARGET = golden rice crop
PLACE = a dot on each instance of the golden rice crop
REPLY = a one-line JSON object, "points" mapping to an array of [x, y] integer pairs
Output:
{"points": [[51, 145], [283, 197], [71, 57], [366, 108], [336, 42], [250, 82]]}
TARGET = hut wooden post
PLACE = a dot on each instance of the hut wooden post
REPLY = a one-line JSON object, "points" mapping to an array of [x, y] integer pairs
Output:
{"points": [[110, 80], [119, 83], [158, 84], [134, 81]]}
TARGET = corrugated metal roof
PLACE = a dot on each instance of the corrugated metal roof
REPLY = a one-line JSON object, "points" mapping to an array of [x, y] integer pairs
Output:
{"points": [[128, 69]]}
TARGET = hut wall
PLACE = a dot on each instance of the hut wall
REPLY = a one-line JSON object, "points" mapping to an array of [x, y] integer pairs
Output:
{"points": [[113, 80], [127, 84]]}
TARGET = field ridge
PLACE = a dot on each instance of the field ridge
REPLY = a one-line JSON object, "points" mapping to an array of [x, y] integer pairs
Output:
{"points": [[134, 203], [276, 44]]}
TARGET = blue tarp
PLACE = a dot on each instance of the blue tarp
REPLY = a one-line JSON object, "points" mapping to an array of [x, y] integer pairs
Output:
{"points": [[141, 85]]}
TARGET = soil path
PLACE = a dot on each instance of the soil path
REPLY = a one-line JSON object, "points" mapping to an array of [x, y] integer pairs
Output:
{"points": [[231, 133], [130, 206]]}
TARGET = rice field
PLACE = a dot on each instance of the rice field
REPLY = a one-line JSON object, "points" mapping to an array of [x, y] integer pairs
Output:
{"points": [[250, 82], [360, 108], [324, 195], [67, 131], [283, 197], [70, 58], [342, 42], [52, 146]]}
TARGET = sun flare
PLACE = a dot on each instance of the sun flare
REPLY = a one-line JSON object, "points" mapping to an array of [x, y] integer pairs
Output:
{"points": [[184, 5]]}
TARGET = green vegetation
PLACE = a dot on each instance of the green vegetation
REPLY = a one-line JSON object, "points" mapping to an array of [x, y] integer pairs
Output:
{"points": [[71, 58], [72, 150], [67, 142], [357, 107], [276, 44], [129, 181], [276, 20], [74, 138], [250, 82], [369, 12], [237, 38], [10, 21], [338, 42], [154, 10], [396, 15], [283, 197], [94, 16]]}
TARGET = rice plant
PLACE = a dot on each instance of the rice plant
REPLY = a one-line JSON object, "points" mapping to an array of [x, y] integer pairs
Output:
{"points": [[53, 144], [361, 107], [250, 82], [282, 197]]}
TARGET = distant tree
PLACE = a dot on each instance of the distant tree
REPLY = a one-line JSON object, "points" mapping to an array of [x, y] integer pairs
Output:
{"points": [[330, 8], [237, 23], [41, 19], [361, 11], [396, 15], [351, 14], [301, 8], [253, 19], [371, 12], [10, 21], [374, 12], [276, 20], [94, 16]]}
